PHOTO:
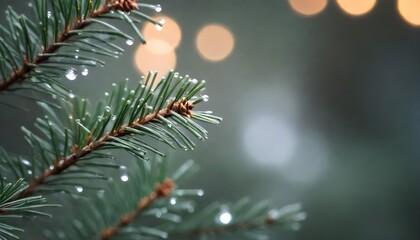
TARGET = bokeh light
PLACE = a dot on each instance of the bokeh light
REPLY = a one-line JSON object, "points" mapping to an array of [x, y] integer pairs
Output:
{"points": [[146, 59], [215, 42], [410, 11], [158, 54], [270, 140], [308, 165], [170, 33], [308, 7], [356, 7]]}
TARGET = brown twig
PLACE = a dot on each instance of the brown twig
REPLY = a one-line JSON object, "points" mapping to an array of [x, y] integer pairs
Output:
{"points": [[19, 75], [182, 107], [162, 190]]}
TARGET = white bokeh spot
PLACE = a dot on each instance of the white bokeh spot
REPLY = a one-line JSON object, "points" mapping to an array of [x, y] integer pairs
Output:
{"points": [[270, 140]]}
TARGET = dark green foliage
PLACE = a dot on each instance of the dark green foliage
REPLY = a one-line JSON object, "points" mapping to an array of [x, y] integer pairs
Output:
{"points": [[35, 54], [17, 208], [174, 217], [74, 145], [125, 119]]}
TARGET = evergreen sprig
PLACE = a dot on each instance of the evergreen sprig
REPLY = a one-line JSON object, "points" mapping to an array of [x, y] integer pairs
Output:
{"points": [[243, 220], [71, 143], [10, 208], [125, 119], [35, 54], [163, 211], [115, 214]]}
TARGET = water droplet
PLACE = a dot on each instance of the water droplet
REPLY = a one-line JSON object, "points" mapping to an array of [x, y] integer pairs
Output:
{"points": [[158, 27], [158, 8], [51, 167], [194, 81], [30, 172], [71, 95], [70, 117], [107, 109], [113, 117], [124, 175], [205, 98], [172, 201], [71, 74], [85, 71], [49, 14], [76, 56], [30, 5], [106, 94], [79, 189], [26, 162], [225, 217], [77, 120], [77, 50], [200, 192], [129, 42]]}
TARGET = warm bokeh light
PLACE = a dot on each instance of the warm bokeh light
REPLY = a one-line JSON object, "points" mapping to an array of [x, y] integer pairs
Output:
{"points": [[146, 59], [215, 42], [170, 33], [356, 7], [410, 11], [308, 7]]}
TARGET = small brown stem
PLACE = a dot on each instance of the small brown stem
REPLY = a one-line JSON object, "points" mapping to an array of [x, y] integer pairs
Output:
{"points": [[162, 190]]}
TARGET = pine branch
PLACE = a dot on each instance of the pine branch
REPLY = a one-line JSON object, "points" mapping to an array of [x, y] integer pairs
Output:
{"points": [[30, 49], [162, 190], [18, 208], [181, 107], [144, 112], [116, 213], [231, 228], [241, 217]]}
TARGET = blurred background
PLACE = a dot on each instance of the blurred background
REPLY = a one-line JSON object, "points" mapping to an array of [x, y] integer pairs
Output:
{"points": [[320, 101]]}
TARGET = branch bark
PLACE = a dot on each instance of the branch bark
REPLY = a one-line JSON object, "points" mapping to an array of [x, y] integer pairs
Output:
{"points": [[162, 190], [182, 107]]}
